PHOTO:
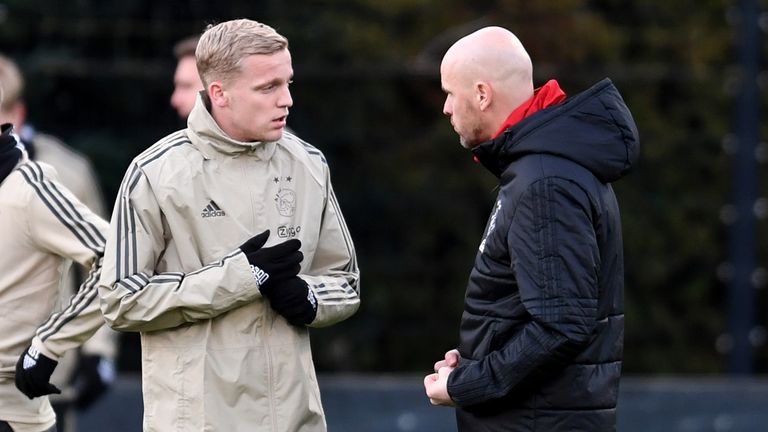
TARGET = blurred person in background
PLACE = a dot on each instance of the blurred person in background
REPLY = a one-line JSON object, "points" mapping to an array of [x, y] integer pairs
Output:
{"points": [[85, 375], [541, 338], [186, 80], [41, 224], [227, 243]]}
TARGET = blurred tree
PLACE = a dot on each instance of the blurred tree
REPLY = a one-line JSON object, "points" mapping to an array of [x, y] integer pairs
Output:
{"points": [[367, 93]]}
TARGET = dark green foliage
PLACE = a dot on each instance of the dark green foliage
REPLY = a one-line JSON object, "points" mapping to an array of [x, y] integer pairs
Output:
{"points": [[367, 93]]}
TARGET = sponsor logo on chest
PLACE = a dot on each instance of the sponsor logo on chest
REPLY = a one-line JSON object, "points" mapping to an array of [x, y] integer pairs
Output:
{"points": [[285, 202]]}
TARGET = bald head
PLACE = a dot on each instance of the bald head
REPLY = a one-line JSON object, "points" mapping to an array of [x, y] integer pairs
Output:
{"points": [[492, 54], [492, 70]]}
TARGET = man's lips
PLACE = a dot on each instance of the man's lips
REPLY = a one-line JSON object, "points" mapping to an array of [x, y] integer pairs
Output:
{"points": [[280, 120]]}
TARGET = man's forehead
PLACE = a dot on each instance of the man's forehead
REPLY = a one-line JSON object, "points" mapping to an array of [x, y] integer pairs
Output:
{"points": [[446, 68], [451, 71], [187, 64], [281, 56]]}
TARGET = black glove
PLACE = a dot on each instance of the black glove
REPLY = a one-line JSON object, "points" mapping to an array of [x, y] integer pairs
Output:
{"points": [[293, 300], [33, 373], [93, 377], [271, 265]]}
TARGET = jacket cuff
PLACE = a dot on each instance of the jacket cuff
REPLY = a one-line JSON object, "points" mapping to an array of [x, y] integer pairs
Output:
{"points": [[461, 392], [244, 274], [38, 344]]}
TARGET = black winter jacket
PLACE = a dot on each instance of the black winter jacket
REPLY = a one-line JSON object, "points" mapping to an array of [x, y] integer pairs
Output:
{"points": [[543, 325]]}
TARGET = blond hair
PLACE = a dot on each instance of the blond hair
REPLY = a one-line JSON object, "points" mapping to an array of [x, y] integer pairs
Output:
{"points": [[223, 47], [12, 83]]}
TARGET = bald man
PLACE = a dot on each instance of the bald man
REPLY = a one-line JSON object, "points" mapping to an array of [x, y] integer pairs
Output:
{"points": [[541, 337]]}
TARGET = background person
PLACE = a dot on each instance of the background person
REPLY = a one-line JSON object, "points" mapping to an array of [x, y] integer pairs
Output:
{"points": [[186, 80], [41, 223], [86, 374], [542, 331]]}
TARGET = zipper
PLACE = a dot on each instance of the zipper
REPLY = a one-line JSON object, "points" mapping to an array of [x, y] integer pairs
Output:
{"points": [[268, 352], [257, 218]]}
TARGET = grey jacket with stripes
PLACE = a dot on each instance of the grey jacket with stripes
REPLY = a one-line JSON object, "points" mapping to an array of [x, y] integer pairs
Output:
{"points": [[215, 356], [42, 223], [76, 173]]}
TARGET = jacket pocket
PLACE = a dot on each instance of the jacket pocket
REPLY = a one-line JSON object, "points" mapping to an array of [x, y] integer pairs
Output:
{"points": [[502, 332]]}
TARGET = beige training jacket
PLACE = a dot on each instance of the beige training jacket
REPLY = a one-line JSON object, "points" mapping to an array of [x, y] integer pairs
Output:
{"points": [[215, 356], [76, 173], [41, 222]]}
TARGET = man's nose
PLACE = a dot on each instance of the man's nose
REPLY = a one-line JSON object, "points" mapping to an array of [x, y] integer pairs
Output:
{"points": [[285, 99]]}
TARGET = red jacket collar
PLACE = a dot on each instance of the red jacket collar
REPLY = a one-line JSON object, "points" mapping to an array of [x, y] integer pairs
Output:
{"points": [[543, 97]]}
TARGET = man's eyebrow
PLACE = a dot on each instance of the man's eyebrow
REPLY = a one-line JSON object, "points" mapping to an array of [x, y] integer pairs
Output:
{"points": [[274, 81]]}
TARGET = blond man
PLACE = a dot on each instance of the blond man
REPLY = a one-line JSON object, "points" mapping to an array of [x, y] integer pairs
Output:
{"points": [[226, 244]]}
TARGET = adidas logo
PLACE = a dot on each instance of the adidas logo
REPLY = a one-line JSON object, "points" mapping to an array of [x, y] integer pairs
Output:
{"points": [[30, 357], [212, 210]]}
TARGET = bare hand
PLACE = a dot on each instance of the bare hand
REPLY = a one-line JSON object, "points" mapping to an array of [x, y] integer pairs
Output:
{"points": [[451, 360], [436, 386]]}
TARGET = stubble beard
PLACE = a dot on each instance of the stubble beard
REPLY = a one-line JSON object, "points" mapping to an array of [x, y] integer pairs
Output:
{"points": [[472, 141]]}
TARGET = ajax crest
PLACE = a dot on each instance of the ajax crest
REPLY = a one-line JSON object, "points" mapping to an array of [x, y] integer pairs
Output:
{"points": [[286, 202]]}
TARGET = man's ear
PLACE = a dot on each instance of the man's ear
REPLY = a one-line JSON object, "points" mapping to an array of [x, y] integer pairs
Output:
{"points": [[483, 95], [217, 94]]}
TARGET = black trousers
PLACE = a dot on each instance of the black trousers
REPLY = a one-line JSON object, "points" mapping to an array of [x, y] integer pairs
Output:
{"points": [[4, 427]]}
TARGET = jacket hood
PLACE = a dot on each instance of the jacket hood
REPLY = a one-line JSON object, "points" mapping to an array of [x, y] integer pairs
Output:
{"points": [[593, 129], [208, 136]]}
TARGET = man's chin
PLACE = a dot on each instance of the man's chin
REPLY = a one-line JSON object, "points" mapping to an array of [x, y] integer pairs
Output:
{"points": [[274, 135], [469, 145]]}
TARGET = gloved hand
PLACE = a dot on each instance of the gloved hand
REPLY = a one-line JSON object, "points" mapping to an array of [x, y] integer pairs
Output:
{"points": [[33, 373], [93, 377], [293, 300], [271, 265]]}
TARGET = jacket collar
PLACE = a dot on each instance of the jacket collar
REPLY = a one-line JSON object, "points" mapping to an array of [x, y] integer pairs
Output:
{"points": [[10, 151], [594, 129], [213, 142], [543, 97]]}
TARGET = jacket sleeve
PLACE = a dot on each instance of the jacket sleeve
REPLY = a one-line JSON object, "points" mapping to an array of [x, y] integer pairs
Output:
{"points": [[82, 181], [333, 275], [62, 225], [555, 257], [134, 297]]}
